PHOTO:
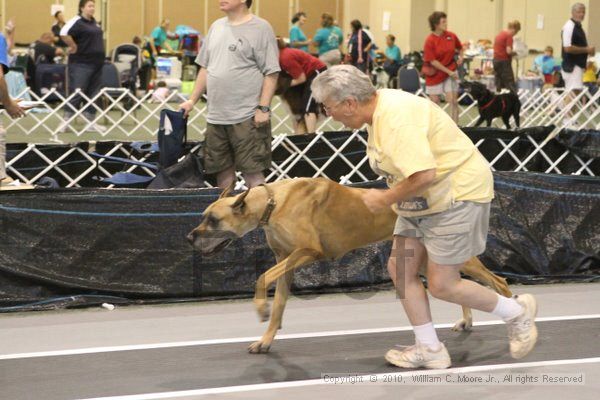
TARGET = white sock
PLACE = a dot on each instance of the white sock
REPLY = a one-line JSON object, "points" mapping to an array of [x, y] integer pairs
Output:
{"points": [[426, 335], [507, 308]]}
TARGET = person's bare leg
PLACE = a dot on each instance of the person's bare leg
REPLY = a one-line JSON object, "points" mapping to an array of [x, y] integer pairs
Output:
{"points": [[226, 177], [254, 179], [311, 122], [435, 98], [408, 254], [445, 283], [452, 99]]}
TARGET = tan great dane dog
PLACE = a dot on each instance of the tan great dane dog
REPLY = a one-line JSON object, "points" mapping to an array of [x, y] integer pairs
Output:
{"points": [[305, 220]]}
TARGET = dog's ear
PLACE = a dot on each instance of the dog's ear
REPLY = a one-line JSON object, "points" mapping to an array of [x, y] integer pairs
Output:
{"points": [[227, 191], [240, 203]]}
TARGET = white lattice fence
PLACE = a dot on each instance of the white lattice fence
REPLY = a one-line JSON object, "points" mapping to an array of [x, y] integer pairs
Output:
{"points": [[127, 117]]}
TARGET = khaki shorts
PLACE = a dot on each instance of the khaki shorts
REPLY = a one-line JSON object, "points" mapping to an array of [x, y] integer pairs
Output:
{"points": [[452, 236], [449, 85], [242, 145]]}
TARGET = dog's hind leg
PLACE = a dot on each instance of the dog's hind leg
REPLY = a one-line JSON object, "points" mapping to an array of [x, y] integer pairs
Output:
{"points": [[296, 259], [282, 293], [476, 270], [466, 323]]}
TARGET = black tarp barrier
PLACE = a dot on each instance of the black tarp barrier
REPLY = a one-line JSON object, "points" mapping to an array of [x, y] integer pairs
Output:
{"points": [[585, 143], [131, 244]]}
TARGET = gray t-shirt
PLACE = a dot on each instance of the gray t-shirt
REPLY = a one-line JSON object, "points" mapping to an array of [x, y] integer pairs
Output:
{"points": [[237, 58]]}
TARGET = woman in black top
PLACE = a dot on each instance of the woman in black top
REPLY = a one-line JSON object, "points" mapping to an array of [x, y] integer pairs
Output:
{"points": [[83, 36], [360, 44]]}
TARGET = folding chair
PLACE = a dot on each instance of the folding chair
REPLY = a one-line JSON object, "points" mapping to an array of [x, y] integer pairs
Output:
{"points": [[172, 136]]}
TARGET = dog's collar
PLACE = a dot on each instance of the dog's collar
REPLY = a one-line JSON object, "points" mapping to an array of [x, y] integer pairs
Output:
{"points": [[271, 203]]}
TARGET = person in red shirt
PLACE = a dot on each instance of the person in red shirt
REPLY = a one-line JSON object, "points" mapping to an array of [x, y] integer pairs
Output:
{"points": [[441, 47], [303, 68], [503, 52]]}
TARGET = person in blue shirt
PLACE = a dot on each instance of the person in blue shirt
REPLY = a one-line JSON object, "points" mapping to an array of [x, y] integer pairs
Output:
{"points": [[393, 57], [328, 39], [545, 64], [159, 35], [12, 108], [298, 39]]}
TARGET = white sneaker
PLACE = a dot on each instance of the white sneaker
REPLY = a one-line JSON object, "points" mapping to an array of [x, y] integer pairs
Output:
{"points": [[419, 356], [522, 331], [96, 128]]}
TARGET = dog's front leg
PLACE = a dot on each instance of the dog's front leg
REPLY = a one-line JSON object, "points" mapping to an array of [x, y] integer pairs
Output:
{"points": [[296, 259], [479, 121], [282, 293]]}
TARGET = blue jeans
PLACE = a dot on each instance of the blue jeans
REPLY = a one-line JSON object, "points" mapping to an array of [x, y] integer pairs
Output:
{"points": [[88, 78]]}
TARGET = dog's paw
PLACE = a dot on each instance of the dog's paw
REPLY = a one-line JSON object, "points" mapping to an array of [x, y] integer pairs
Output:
{"points": [[259, 347], [263, 311], [462, 325]]}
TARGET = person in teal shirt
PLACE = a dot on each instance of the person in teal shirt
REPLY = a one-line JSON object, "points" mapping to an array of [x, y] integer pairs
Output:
{"points": [[159, 38], [393, 57], [328, 40], [298, 39]]}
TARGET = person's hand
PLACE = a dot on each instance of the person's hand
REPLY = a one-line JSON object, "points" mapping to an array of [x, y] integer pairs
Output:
{"points": [[453, 75], [14, 110], [72, 49], [187, 106], [375, 200], [460, 60], [261, 118], [360, 60], [592, 50]]}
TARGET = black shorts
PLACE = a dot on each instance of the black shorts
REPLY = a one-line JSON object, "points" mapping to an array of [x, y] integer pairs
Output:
{"points": [[309, 105]]}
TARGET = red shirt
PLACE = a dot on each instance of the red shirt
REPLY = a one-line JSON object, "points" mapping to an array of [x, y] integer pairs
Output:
{"points": [[502, 41], [441, 48], [295, 62]]}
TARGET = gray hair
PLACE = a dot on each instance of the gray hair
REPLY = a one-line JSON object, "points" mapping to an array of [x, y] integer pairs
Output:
{"points": [[577, 6], [342, 82]]}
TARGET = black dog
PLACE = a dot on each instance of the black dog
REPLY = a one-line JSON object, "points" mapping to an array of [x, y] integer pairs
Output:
{"points": [[493, 105]]}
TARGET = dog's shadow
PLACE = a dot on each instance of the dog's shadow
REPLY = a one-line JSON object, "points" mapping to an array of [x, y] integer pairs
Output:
{"points": [[273, 367]]}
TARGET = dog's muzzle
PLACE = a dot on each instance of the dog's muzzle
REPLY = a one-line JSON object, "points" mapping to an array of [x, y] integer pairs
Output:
{"points": [[210, 242]]}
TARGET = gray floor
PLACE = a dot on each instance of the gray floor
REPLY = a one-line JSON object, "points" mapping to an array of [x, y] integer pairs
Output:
{"points": [[176, 369]]}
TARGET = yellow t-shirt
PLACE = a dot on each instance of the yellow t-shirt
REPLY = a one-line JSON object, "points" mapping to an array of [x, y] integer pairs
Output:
{"points": [[411, 134]]}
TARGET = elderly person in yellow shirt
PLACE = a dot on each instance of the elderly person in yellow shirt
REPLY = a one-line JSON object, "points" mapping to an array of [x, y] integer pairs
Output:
{"points": [[440, 187]]}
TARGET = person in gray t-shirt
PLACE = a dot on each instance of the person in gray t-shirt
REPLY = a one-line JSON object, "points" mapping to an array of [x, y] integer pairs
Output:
{"points": [[239, 66]]}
